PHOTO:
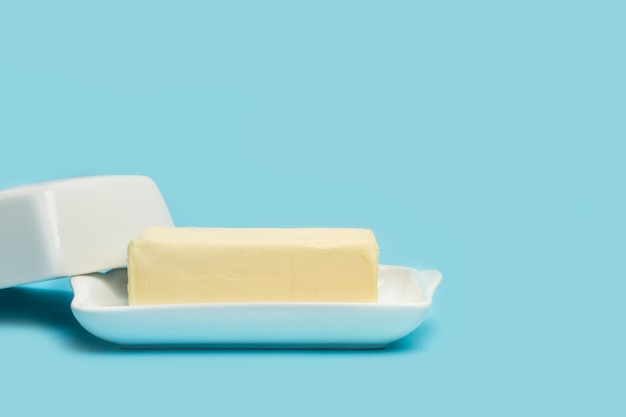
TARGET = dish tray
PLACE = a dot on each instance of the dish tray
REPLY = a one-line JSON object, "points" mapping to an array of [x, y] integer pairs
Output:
{"points": [[100, 305]]}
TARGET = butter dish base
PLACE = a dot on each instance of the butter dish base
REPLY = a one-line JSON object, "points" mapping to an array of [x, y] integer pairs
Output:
{"points": [[100, 305]]}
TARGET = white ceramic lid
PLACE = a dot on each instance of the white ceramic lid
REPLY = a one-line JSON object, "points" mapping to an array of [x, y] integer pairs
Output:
{"points": [[74, 226]]}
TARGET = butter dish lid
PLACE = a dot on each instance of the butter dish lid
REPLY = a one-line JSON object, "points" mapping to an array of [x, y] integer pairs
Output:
{"points": [[74, 226]]}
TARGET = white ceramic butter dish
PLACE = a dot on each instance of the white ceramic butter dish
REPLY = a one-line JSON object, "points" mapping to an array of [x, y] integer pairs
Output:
{"points": [[100, 305], [74, 226]]}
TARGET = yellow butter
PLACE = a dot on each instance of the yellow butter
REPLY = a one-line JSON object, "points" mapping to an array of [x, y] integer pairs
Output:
{"points": [[168, 265]]}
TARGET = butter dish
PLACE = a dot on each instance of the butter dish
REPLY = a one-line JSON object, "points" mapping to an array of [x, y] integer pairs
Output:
{"points": [[100, 305], [74, 226]]}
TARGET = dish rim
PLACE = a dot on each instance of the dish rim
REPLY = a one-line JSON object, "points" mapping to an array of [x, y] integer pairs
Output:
{"points": [[428, 292]]}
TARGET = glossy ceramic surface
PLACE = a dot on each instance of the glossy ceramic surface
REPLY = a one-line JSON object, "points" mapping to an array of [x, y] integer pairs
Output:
{"points": [[101, 306], [74, 226]]}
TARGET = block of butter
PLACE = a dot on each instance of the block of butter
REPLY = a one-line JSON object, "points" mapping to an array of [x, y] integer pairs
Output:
{"points": [[169, 265]]}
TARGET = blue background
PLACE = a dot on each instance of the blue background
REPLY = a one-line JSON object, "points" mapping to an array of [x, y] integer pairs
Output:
{"points": [[481, 138]]}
